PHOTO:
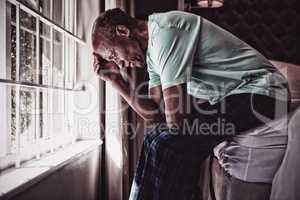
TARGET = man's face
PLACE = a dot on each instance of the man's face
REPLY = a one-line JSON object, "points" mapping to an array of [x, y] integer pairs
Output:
{"points": [[122, 50]]}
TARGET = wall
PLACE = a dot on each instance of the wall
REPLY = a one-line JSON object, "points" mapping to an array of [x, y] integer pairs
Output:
{"points": [[272, 27], [145, 8], [78, 180]]}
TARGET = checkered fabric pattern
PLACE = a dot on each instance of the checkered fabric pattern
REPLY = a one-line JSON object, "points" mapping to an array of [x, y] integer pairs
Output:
{"points": [[169, 165]]}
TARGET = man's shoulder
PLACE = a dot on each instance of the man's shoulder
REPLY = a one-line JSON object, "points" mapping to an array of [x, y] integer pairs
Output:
{"points": [[175, 19]]}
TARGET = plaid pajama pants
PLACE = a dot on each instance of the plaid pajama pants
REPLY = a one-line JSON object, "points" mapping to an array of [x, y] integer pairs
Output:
{"points": [[169, 164]]}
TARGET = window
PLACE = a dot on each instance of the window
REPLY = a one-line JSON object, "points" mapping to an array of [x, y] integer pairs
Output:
{"points": [[37, 77]]}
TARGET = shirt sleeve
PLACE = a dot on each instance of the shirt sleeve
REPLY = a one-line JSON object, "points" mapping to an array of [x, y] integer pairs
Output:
{"points": [[154, 78], [176, 50]]}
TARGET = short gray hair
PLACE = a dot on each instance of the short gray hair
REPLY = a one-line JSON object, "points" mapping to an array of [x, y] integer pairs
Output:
{"points": [[107, 21]]}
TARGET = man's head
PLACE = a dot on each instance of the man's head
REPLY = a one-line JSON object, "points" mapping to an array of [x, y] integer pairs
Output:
{"points": [[113, 39]]}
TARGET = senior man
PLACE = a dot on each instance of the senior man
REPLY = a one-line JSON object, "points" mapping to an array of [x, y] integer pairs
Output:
{"points": [[205, 77]]}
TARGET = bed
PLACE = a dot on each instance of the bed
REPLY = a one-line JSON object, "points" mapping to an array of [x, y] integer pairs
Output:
{"points": [[246, 179]]}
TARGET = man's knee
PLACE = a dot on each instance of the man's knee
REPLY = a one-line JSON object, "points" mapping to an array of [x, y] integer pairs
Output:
{"points": [[163, 141], [152, 135], [149, 137]]}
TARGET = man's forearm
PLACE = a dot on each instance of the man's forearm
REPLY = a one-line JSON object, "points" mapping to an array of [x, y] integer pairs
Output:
{"points": [[145, 107]]}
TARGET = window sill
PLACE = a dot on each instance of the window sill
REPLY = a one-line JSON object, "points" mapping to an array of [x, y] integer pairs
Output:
{"points": [[15, 180]]}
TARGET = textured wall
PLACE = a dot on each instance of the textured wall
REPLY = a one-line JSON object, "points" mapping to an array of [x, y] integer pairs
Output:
{"points": [[144, 8], [270, 26]]}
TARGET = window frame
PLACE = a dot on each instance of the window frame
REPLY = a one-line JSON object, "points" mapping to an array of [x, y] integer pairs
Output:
{"points": [[35, 151]]}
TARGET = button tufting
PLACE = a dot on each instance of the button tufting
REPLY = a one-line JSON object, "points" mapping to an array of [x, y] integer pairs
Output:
{"points": [[269, 26]]}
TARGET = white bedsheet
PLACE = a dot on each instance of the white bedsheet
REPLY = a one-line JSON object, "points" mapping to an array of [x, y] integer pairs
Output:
{"points": [[255, 155]]}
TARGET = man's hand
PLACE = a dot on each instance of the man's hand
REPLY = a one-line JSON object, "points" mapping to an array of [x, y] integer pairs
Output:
{"points": [[107, 71], [145, 107]]}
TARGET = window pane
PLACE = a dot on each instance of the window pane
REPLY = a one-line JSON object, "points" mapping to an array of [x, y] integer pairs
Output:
{"points": [[45, 54], [10, 42], [45, 7], [26, 109], [70, 6], [58, 112], [46, 114], [13, 120], [58, 6], [58, 75], [27, 47], [70, 63], [30, 3], [41, 115], [4, 119], [27, 116]]}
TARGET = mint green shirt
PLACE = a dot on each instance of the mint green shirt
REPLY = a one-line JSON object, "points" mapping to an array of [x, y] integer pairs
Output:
{"points": [[186, 48]]}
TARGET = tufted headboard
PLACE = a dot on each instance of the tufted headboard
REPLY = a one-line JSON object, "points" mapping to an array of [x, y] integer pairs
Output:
{"points": [[270, 26]]}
